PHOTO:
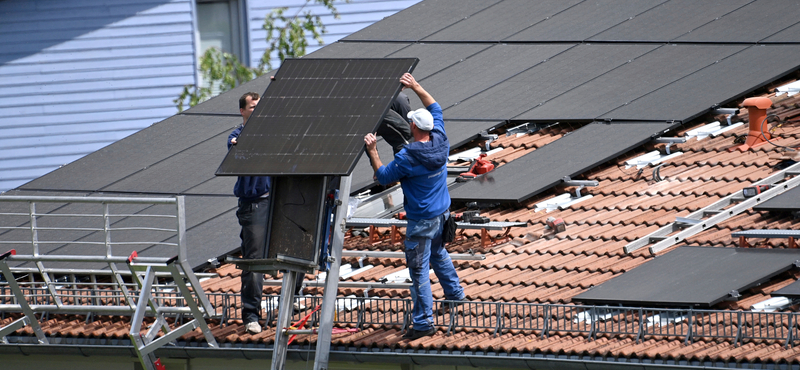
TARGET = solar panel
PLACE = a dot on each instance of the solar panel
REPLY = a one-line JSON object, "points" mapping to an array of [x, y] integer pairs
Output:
{"points": [[792, 291], [750, 23], [788, 201], [421, 20], [669, 20], [719, 83], [546, 78], [630, 81], [136, 153], [696, 276], [486, 68], [570, 155], [593, 17], [312, 119], [502, 20]]}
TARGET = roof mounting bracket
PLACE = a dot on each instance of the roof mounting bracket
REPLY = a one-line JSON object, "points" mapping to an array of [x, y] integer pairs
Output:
{"points": [[669, 141], [579, 183], [734, 294], [728, 112], [528, 128], [485, 135]]}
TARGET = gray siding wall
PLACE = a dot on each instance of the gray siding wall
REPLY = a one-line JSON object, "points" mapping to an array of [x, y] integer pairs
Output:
{"points": [[77, 75]]}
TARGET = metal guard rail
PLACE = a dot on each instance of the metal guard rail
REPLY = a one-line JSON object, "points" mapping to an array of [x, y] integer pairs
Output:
{"points": [[543, 320]]}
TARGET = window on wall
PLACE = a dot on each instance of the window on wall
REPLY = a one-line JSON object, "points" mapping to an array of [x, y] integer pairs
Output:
{"points": [[219, 25]]}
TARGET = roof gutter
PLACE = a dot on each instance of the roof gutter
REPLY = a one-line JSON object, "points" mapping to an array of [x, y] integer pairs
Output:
{"points": [[366, 355]]}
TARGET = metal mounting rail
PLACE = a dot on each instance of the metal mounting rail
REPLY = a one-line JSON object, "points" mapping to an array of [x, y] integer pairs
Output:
{"points": [[715, 213]]}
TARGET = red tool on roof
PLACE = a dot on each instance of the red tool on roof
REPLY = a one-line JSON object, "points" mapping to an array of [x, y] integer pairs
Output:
{"points": [[479, 167]]}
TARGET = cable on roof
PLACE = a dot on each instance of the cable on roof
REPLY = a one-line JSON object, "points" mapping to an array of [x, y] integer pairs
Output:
{"points": [[767, 139]]}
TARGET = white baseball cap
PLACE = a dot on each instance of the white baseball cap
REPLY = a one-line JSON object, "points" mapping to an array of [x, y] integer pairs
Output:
{"points": [[422, 118]]}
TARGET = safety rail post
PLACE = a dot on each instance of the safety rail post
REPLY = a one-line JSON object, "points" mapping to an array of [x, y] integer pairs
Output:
{"points": [[641, 333], [593, 327], [690, 328], [546, 327], [500, 318], [789, 334], [738, 329]]}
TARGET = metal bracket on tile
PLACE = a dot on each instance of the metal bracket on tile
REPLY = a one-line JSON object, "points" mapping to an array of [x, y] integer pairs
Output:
{"points": [[579, 183], [669, 141]]}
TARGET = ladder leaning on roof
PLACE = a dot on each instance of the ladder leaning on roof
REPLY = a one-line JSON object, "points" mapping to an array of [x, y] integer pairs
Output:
{"points": [[178, 293], [713, 214]]}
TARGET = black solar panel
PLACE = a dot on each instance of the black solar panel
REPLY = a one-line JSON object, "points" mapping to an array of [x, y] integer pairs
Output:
{"points": [[502, 20], [584, 20], [488, 67], [719, 83], [560, 72], [642, 75], [421, 20], [669, 20], [751, 23], [788, 34], [570, 155], [312, 119], [696, 276], [788, 201], [136, 153], [792, 291]]}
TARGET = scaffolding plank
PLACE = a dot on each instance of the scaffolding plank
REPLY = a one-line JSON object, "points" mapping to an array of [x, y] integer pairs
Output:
{"points": [[694, 276], [570, 155]]}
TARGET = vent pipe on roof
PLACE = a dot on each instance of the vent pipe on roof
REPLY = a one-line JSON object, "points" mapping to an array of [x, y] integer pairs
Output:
{"points": [[759, 130]]}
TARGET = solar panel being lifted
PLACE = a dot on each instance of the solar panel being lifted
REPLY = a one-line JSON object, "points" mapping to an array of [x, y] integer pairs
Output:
{"points": [[696, 276], [313, 117]]}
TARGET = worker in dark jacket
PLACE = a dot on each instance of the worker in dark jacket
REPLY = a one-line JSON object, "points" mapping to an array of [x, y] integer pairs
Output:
{"points": [[421, 168], [253, 211], [394, 128], [253, 215]]}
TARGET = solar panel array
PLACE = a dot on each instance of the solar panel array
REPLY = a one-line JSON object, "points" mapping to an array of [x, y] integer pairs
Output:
{"points": [[313, 117], [693, 276], [488, 63]]}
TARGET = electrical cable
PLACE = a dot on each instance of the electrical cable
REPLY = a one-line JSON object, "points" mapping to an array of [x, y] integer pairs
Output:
{"points": [[761, 127]]}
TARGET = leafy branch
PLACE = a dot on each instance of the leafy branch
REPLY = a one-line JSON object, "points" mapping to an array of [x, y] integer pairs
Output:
{"points": [[286, 35]]}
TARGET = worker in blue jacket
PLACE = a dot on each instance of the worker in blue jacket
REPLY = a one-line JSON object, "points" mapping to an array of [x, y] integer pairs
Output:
{"points": [[421, 168]]}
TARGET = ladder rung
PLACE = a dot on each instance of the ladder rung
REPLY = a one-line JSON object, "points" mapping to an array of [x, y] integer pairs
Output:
{"points": [[712, 212], [656, 239]]}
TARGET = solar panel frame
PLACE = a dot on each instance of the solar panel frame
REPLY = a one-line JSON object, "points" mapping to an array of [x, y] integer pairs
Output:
{"points": [[706, 275], [312, 118]]}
